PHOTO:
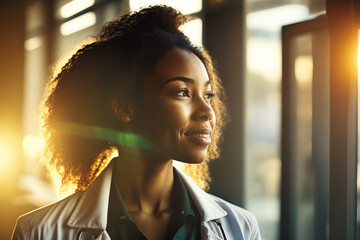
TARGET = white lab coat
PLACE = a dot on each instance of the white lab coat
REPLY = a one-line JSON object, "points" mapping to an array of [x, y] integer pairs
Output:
{"points": [[83, 215]]}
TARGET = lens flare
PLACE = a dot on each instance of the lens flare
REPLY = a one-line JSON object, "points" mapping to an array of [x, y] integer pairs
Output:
{"points": [[33, 145], [105, 134]]}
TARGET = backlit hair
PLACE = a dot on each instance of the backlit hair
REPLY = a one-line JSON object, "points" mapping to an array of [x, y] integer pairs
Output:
{"points": [[113, 66]]}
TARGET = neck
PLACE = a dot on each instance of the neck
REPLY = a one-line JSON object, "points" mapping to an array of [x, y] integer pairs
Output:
{"points": [[145, 182]]}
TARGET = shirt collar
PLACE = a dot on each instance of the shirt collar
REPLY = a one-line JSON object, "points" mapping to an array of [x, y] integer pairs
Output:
{"points": [[117, 206], [182, 197], [96, 197]]}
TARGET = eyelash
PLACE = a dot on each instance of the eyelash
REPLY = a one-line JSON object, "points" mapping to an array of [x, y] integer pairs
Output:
{"points": [[209, 95]]}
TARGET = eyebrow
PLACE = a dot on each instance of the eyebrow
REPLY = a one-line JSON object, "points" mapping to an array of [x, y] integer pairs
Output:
{"points": [[183, 79]]}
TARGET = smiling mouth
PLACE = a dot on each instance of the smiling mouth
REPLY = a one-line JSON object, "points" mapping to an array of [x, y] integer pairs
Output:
{"points": [[198, 135], [201, 137]]}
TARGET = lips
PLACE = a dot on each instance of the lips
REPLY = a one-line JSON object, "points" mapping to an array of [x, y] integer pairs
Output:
{"points": [[199, 136]]}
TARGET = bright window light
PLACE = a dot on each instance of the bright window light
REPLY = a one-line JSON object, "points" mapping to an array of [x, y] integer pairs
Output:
{"points": [[193, 30], [273, 18], [304, 70], [184, 6], [358, 56], [33, 145], [77, 24], [264, 58], [33, 43], [7, 157], [74, 7]]}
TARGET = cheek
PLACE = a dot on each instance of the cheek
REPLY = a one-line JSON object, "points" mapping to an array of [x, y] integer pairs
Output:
{"points": [[167, 118], [213, 121], [175, 116]]}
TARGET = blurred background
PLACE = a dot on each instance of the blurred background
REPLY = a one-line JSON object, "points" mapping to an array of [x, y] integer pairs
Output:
{"points": [[246, 41]]}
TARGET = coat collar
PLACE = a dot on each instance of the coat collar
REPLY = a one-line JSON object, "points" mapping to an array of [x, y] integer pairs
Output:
{"points": [[96, 199], [91, 209], [207, 207]]}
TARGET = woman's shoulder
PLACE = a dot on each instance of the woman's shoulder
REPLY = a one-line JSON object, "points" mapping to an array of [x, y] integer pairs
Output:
{"points": [[66, 205], [237, 218], [233, 209], [215, 207], [47, 217]]}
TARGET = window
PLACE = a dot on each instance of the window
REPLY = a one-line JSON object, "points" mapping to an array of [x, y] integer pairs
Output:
{"points": [[264, 21]]}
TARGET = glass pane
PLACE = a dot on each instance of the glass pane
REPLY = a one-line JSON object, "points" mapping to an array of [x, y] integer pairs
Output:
{"points": [[303, 157], [309, 68], [264, 20]]}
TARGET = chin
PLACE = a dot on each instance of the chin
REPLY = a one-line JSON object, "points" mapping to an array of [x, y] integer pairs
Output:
{"points": [[192, 159]]}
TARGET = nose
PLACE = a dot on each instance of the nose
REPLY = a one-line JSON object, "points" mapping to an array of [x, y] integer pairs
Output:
{"points": [[204, 111]]}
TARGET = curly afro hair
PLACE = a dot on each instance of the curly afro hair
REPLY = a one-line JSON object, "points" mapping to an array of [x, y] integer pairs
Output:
{"points": [[114, 65]]}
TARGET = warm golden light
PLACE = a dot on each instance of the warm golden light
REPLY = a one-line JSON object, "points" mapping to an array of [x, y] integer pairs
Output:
{"points": [[33, 43], [33, 145], [77, 24], [63, 192], [8, 157], [358, 55], [304, 70], [56, 181], [74, 7]]}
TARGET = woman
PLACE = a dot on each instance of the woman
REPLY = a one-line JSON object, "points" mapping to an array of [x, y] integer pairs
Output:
{"points": [[143, 90]]}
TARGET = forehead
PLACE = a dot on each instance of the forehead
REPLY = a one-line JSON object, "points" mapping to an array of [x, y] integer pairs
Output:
{"points": [[178, 63]]}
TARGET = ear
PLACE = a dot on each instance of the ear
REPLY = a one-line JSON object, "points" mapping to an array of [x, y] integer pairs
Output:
{"points": [[125, 112]]}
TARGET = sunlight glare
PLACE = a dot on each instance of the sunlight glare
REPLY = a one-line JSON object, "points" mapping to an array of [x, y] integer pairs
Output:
{"points": [[33, 145], [74, 7], [33, 43], [273, 19], [304, 70], [358, 54], [77, 24], [7, 155], [193, 30]]}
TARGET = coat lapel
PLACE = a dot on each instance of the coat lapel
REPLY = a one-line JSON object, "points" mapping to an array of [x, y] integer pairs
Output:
{"points": [[208, 209], [202, 200], [92, 208]]}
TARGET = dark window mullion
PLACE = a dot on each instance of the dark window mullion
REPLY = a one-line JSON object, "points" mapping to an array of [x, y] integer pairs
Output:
{"points": [[343, 116]]}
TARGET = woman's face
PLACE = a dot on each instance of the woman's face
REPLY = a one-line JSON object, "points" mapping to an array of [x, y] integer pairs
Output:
{"points": [[177, 118]]}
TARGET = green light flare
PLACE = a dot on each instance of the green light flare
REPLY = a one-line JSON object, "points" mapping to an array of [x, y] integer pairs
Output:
{"points": [[105, 134]]}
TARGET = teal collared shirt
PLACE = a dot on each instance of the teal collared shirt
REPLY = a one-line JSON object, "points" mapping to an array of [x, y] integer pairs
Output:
{"points": [[121, 226]]}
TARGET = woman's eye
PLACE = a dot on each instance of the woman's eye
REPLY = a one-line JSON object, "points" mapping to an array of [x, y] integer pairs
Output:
{"points": [[183, 93], [209, 95]]}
